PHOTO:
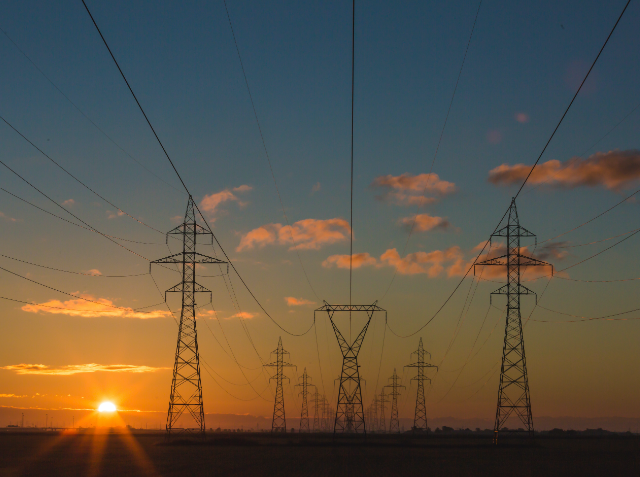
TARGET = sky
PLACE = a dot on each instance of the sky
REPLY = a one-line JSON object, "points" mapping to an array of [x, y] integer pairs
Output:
{"points": [[523, 65]]}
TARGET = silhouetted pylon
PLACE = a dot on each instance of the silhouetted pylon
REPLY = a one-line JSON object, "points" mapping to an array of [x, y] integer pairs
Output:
{"points": [[186, 387], [513, 393], [382, 424], [375, 405], [304, 413], [279, 422], [350, 411], [420, 417], [394, 424], [316, 414]]}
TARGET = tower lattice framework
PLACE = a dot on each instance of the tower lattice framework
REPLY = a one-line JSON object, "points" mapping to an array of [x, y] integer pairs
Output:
{"points": [[304, 412], [382, 420], [350, 411], [420, 417], [513, 393], [186, 386], [316, 413], [279, 422], [394, 423]]}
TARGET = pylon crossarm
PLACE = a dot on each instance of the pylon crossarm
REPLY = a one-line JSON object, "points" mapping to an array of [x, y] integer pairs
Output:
{"points": [[185, 228]]}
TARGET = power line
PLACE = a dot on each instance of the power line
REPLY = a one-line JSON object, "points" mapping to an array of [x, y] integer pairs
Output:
{"points": [[77, 225], [82, 112], [435, 154], [75, 273], [180, 177], [264, 146], [525, 181]]}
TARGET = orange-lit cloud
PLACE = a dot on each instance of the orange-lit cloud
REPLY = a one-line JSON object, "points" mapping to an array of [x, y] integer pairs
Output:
{"points": [[113, 215], [211, 202], [89, 309], [613, 170], [79, 368], [431, 263], [69, 202], [217, 315], [522, 117], [245, 315], [94, 271], [7, 218], [425, 222], [407, 189], [292, 301], [11, 396], [342, 261], [304, 234]]}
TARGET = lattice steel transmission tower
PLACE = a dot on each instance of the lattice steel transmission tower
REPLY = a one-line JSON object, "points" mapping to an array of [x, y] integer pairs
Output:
{"points": [[420, 417], [304, 412], [375, 405], [513, 394], [394, 424], [350, 412], [186, 387], [382, 420], [316, 414], [279, 422]]}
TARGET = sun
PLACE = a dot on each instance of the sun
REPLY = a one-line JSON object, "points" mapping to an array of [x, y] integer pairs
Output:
{"points": [[107, 407]]}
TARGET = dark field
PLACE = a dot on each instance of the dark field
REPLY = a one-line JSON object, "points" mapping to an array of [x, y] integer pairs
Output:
{"points": [[121, 454]]}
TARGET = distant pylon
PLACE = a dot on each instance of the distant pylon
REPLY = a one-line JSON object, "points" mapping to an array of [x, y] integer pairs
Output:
{"points": [[374, 422], [279, 422], [186, 387], [326, 415], [382, 424], [304, 413], [513, 393], [350, 411], [394, 424], [420, 417], [316, 412]]}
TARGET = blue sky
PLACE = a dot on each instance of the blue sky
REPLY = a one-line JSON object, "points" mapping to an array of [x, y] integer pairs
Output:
{"points": [[181, 61]]}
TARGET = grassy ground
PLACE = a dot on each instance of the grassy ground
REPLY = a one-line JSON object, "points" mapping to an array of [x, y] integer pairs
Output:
{"points": [[120, 455]]}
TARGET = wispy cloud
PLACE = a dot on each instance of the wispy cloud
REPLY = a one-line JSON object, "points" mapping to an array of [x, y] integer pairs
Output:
{"points": [[613, 170], [316, 188], [7, 218], [78, 369], [212, 202], [424, 223], [407, 189], [89, 309], [69, 202], [343, 261], [292, 301], [113, 215], [304, 234], [11, 396], [430, 263]]}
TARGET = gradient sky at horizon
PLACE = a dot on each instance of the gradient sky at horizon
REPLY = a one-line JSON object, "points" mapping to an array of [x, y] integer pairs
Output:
{"points": [[523, 66]]}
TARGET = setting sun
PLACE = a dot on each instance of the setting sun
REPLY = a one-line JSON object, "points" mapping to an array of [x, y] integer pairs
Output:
{"points": [[107, 407]]}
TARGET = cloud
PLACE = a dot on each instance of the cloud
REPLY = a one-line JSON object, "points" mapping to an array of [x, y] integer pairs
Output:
{"points": [[549, 251], [291, 301], [69, 202], [79, 368], [494, 136], [522, 117], [407, 189], [94, 271], [430, 263], [89, 309], [11, 396], [210, 203], [613, 170], [304, 234], [316, 188], [424, 223], [245, 315], [342, 261], [7, 218], [113, 215]]}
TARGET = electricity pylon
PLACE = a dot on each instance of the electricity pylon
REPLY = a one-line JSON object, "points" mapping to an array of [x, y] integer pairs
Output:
{"points": [[394, 424], [316, 413], [326, 418], [375, 406], [279, 422], [382, 424], [350, 412], [420, 417], [513, 394], [186, 387], [304, 413]]}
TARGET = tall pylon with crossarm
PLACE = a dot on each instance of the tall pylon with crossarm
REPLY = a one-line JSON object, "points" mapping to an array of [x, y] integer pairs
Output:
{"points": [[350, 411], [186, 387], [304, 412], [279, 422], [394, 424], [420, 417], [513, 394]]}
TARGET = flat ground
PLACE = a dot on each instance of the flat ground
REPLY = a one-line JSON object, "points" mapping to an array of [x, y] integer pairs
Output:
{"points": [[121, 454]]}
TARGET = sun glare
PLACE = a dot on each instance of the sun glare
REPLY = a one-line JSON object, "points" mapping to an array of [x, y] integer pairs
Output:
{"points": [[107, 407]]}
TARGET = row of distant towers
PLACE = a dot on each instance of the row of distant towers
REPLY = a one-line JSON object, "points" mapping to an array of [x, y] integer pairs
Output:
{"points": [[350, 415], [324, 420]]}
